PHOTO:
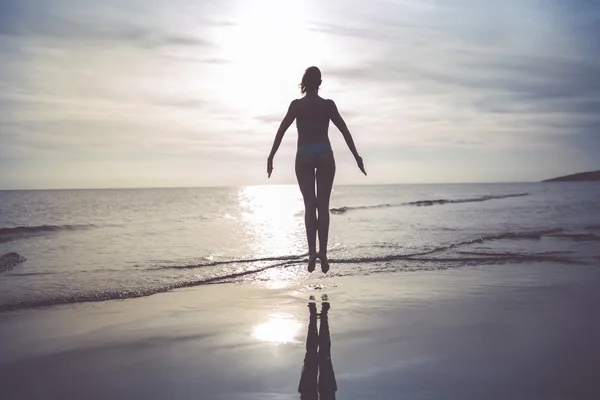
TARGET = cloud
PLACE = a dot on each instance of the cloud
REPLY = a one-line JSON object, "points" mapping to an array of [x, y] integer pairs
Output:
{"points": [[431, 86], [486, 69], [72, 33]]}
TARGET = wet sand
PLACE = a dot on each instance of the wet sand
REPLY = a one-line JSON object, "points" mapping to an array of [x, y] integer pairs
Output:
{"points": [[494, 332]]}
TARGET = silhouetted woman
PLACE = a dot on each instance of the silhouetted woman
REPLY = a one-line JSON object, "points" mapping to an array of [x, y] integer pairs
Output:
{"points": [[314, 159]]}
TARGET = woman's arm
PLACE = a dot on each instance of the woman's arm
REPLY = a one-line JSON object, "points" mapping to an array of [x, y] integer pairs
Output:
{"points": [[339, 122], [285, 124]]}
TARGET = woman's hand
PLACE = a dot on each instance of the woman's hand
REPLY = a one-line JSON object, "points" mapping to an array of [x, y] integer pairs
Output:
{"points": [[269, 166], [360, 164]]}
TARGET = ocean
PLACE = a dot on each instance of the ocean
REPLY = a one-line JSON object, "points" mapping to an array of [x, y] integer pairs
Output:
{"points": [[98, 245]]}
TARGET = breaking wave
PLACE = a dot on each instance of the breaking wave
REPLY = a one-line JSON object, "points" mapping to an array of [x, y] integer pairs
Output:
{"points": [[424, 203], [581, 237], [22, 232]]}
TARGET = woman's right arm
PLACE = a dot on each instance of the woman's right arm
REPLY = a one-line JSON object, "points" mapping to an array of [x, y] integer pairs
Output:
{"points": [[285, 124], [339, 122]]}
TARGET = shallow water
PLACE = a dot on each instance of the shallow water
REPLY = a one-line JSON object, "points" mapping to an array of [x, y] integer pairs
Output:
{"points": [[84, 245]]}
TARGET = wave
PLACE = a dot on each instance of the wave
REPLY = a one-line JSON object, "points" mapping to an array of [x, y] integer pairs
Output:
{"points": [[294, 259], [593, 227], [580, 237], [509, 254], [468, 200], [344, 209], [425, 263], [429, 259], [236, 261], [124, 294], [20, 232], [418, 256], [424, 203]]}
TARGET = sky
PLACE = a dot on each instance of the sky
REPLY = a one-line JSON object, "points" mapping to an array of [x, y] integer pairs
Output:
{"points": [[153, 93]]}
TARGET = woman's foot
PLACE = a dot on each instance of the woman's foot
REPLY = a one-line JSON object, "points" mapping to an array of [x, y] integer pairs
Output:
{"points": [[312, 260], [324, 263]]}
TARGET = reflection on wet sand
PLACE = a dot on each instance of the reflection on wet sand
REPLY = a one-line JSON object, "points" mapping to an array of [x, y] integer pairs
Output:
{"points": [[317, 380]]}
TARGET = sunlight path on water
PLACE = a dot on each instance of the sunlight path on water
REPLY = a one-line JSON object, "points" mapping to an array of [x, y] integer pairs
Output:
{"points": [[273, 220]]}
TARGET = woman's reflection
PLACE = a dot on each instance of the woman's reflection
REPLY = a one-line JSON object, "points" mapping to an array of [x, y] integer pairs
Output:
{"points": [[318, 379]]}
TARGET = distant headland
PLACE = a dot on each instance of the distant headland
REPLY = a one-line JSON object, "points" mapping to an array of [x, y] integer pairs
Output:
{"points": [[580, 177]]}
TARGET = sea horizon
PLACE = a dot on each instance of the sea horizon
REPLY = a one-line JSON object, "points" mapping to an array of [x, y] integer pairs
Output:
{"points": [[278, 184]]}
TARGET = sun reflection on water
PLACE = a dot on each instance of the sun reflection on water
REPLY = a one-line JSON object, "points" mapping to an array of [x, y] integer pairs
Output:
{"points": [[279, 328], [272, 216]]}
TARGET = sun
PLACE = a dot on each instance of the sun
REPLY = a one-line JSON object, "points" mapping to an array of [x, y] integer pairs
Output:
{"points": [[267, 47]]}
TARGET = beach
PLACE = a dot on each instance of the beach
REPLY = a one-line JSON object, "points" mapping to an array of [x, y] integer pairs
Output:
{"points": [[170, 173], [474, 291], [514, 331]]}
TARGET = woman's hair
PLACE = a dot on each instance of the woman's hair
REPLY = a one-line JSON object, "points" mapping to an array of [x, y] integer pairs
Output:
{"points": [[311, 80]]}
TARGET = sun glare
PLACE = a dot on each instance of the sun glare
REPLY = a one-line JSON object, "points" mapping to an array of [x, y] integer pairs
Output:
{"points": [[272, 216], [279, 328], [267, 48]]}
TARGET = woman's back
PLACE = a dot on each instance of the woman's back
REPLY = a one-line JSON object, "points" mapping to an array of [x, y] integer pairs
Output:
{"points": [[312, 119]]}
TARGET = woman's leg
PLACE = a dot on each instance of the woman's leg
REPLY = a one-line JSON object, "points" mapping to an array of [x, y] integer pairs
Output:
{"points": [[305, 173], [325, 175], [310, 369]]}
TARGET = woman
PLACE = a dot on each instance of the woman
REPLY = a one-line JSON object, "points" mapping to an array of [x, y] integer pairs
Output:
{"points": [[314, 159]]}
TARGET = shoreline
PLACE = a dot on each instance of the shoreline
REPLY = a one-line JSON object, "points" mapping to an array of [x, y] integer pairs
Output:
{"points": [[512, 331]]}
